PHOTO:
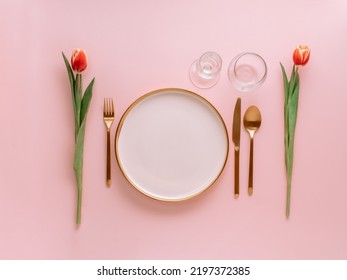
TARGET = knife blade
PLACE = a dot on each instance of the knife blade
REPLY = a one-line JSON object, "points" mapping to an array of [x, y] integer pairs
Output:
{"points": [[236, 139]]}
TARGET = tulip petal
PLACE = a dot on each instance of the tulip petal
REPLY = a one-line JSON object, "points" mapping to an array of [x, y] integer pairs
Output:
{"points": [[301, 55], [79, 60]]}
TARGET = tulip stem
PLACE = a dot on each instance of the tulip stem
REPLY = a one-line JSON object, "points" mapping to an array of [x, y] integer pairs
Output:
{"points": [[288, 198], [79, 200], [78, 100]]}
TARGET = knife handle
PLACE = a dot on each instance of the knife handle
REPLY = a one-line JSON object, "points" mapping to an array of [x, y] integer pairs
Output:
{"points": [[237, 173]]}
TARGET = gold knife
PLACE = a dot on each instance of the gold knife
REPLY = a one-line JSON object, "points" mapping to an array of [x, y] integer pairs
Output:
{"points": [[236, 140]]}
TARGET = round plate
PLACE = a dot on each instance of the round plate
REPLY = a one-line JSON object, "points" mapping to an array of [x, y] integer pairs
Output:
{"points": [[171, 144]]}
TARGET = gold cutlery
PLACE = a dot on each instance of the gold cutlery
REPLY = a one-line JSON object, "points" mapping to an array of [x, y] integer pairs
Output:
{"points": [[252, 122], [236, 140], [108, 119]]}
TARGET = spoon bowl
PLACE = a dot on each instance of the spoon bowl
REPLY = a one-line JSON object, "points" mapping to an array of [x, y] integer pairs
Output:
{"points": [[251, 122]]}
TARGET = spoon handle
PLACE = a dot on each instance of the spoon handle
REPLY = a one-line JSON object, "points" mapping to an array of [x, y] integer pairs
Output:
{"points": [[250, 176], [237, 172]]}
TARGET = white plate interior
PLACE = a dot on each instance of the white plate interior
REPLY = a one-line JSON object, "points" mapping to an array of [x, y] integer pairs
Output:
{"points": [[171, 144]]}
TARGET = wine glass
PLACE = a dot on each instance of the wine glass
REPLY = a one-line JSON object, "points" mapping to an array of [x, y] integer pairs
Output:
{"points": [[205, 71], [247, 71]]}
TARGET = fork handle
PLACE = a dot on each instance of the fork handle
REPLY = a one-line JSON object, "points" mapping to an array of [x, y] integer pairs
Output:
{"points": [[237, 172], [108, 160]]}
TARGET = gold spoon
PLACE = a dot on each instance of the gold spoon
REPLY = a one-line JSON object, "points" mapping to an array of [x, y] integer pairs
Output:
{"points": [[252, 122]]}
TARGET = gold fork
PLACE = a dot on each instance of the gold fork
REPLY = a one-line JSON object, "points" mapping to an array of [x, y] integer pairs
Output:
{"points": [[108, 119]]}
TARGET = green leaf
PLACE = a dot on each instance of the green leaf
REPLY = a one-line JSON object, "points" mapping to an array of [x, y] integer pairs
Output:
{"points": [[296, 83], [285, 79], [73, 93], [293, 71], [291, 111], [88, 94], [292, 81], [71, 79], [69, 71], [78, 97], [292, 117], [285, 83], [286, 116]]}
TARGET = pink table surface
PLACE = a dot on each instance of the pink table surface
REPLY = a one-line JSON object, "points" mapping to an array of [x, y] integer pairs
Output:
{"points": [[138, 46]]}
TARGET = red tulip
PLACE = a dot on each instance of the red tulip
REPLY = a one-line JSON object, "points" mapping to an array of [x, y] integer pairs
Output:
{"points": [[301, 55], [79, 60]]}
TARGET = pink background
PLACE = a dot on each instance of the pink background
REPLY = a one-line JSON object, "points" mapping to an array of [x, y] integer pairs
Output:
{"points": [[138, 46]]}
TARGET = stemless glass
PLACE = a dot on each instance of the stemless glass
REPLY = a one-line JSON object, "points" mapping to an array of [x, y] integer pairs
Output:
{"points": [[247, 71], [205, 71]]}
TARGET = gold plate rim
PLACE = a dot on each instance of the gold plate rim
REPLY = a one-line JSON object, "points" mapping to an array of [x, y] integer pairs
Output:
{"points": [[128, 110]]}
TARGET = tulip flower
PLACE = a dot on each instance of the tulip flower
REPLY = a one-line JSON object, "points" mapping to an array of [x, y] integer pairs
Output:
{"points": [[81, 105], [79, 61], [301, 56]]}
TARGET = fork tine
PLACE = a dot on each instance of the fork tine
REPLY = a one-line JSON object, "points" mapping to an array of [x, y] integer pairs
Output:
{"points": [[108, 106], [112, 107]]}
